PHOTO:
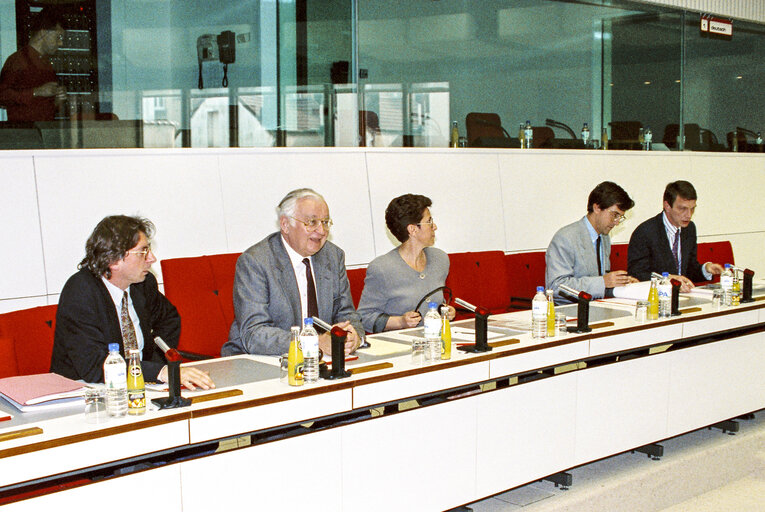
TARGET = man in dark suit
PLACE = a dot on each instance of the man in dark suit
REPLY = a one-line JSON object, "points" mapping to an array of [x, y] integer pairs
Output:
{"points": [[114, 298], [288, 276], [667, 242]]}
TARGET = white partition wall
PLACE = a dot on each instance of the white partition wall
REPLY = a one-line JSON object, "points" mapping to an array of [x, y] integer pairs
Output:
{"points": [[208, 201]]}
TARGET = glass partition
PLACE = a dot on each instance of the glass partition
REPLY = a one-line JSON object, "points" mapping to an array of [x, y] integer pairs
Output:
{"points": [[389, 73]]}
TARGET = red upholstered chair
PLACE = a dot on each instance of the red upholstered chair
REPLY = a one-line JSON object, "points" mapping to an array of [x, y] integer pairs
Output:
{"points": [[356, 278], [8, 366], [31, 332], [201, 288], [619, 256], [480, 278], [716, 252], [525, 271]]}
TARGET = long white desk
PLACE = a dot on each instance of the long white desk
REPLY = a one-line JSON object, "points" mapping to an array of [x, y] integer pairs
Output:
{"points": [[462, 449]]}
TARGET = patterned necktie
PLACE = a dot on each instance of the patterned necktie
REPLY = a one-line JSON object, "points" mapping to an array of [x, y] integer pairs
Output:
{"points": [[597, 255], [129, 341], [313, 308], [675, 245]]}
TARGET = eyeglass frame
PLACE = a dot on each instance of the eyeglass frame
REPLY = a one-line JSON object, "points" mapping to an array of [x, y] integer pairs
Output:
{"points": [[618, 217], [430, 222], [312, 225], [144, 252]]}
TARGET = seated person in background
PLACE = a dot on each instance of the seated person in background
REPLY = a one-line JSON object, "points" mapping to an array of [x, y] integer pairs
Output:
{"points": [[114, 298], [290, 275], [29, 88], [667, 242], [398, 280], [579, 254]]}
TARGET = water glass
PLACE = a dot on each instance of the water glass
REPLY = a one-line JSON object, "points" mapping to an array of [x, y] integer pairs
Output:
{"points": [[284, 367], [419, 346], [717, 298], [560, 324], [95, 405], [641, 311]]}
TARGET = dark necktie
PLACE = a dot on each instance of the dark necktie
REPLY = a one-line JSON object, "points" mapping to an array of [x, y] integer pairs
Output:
{"points": [[597, 255], [129, 340], [675, 246], [313, 308]]}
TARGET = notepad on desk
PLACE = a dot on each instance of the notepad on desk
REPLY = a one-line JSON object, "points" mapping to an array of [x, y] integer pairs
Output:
{"points": [[41, 391]]}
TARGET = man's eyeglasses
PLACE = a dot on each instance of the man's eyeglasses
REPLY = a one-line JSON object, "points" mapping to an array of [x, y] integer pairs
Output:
{"points": [[618, 217], [430, 222], [142, 252], [313, 224]]}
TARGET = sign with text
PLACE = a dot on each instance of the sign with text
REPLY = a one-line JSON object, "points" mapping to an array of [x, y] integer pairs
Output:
{"points": [[718, 26]]}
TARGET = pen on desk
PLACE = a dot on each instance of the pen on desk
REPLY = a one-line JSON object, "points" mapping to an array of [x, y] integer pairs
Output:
{"points": [[6, 418]]}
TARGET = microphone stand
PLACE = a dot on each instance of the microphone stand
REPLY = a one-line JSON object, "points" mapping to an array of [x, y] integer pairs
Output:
{"points": [[583, 308], [481, 328], [174, 400]]}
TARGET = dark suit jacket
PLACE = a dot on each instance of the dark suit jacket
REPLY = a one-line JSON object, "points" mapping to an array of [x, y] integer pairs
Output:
{"points": [[267, 300], [649, 251], [87, 321]]}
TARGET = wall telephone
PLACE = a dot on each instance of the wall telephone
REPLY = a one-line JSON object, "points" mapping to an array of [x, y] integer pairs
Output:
{"points": [[216, 48]]}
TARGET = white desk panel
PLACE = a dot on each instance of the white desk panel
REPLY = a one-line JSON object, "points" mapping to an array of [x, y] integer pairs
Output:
{"points": [[22, 244], [536, 359], [88, 452], [525, 432], [205, 428], [621, 406], [716, 381], [253, 183], [178, 192], [421, 459], [720, 323], [276, 476], [658, 334], [365, 395], [463, 185], [160, 488]]}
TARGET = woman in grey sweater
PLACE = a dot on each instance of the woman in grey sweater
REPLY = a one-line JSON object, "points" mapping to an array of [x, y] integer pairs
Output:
{"points": [[397, 280]]}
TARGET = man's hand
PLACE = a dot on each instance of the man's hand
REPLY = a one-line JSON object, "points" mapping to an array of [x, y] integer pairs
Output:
{"points": [[352, 340], [617, 278], [191, 377], [713, 268], [47, 90], [686, 284]]}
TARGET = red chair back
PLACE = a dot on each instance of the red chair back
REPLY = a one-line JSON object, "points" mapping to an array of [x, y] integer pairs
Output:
{"points": [[31, 333]]}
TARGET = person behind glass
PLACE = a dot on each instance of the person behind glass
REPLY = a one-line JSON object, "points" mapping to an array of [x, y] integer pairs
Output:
{"points": [[290, 275], [667, 242], [114, 298], [579, 254], [397, 281], [29, 88]]}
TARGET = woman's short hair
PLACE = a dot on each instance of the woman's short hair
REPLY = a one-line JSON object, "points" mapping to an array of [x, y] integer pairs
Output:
{"points": [[111, 239], [405, 210]]}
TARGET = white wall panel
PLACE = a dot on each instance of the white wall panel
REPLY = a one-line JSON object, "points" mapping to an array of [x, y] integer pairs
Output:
{"points": [[21, 259], [254, 182], [463, 185], [178, 191]]}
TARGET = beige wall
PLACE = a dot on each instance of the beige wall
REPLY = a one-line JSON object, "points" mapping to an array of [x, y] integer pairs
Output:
{"points": [[216, 201]]}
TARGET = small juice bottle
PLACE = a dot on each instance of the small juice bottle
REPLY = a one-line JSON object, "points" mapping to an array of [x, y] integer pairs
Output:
{"points": [[446, 334], [550, 314], [295, 359], [136, 391], [653, 301]]}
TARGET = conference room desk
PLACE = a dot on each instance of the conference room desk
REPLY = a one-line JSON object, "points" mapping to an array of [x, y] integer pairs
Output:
{"points": [[321, 443]]}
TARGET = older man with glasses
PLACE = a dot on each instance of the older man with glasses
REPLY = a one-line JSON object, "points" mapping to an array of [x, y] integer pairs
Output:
{"points": [[290, 275], [29, 87], [114, 298], [579, 254]]}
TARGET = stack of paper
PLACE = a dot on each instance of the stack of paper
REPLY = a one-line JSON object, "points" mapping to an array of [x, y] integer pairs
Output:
{"points": [[44, 390]]}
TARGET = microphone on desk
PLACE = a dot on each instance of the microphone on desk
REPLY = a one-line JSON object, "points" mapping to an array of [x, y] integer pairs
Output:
{"points": [[675, 301], [481, 327], [328, 328], [173, 378], [583, 307]]}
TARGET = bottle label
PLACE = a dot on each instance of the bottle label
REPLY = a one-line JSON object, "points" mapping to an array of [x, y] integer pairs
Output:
{"points": [[115, 376], [726, 281], [309, 345], [539, 308], [665, 292], [432, 327], [136, 399]]}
